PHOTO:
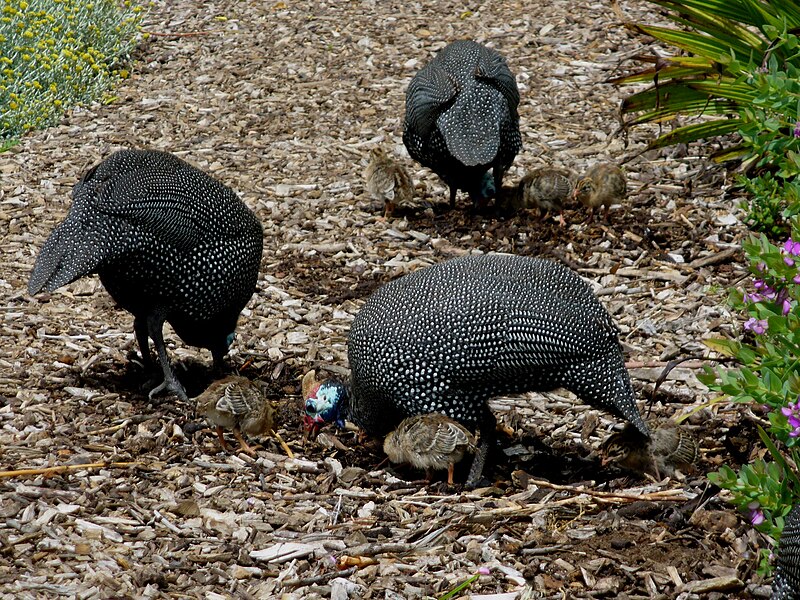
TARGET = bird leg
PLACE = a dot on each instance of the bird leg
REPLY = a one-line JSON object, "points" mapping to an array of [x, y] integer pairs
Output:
{"points": [[487, 435], [222, 441], [243, 445], [450, 469], [453, 192], [561, 218], [155, 325], [140, 329]]}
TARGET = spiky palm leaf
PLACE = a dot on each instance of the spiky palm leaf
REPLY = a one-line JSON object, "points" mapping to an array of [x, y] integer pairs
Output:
{"points": [[727, 40]]}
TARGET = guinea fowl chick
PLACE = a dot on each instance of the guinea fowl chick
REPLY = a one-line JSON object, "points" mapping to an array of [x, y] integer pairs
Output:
{"points": [[603, 184], [670, 447], [547, 188], [449, 337], [431, 441], [170, 244], [786, 585], [388, 182], [238, 404]]}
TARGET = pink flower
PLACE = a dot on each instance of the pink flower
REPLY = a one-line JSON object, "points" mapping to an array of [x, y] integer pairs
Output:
{"points": [[757, 326], [484, 571], [756, 516], [792, 413]]}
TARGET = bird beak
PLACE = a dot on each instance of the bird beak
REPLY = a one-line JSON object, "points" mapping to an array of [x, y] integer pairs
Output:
{"points": [[605, 460]]}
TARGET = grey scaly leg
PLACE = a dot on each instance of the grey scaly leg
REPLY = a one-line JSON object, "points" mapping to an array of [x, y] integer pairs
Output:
{"points": [[155, 326], [487, 431]]}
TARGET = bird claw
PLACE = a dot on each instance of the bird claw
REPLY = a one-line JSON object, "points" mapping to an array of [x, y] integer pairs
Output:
{"points": [[170, 385]]}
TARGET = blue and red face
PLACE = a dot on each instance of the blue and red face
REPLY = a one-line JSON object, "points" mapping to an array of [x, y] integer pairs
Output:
{"points": [[324, 404]]}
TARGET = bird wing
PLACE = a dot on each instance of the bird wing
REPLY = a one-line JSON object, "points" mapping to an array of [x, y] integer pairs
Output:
{"points": [[493, 70], [235, 401], [431, 92], [787, 575], [178, 208], [438, 439]]}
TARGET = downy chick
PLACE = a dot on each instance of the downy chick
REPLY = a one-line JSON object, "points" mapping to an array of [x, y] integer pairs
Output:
{"points": [[670, 447], [238, 404], [388, 182], [431, 441], [547, 188], [603, 184]]}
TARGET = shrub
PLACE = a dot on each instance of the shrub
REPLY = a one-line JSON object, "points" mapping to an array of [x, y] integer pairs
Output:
{"points": [[55, 54], [769, 380]]}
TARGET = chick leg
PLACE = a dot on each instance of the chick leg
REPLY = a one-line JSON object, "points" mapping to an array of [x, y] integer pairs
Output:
{"points": [[244, 446], [222, 441], [450, 469]]}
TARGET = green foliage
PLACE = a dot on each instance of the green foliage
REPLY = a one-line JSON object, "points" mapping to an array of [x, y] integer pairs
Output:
{"points": [[768, 378], [55, 54], [742, 76], [727, 41]]}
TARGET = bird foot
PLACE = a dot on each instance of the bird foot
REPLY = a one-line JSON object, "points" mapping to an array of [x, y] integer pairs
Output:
{"points": [[172, 386]]}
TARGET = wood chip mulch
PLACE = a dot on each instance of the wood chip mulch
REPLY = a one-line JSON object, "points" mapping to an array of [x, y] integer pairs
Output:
{"points": [[121, 496]]}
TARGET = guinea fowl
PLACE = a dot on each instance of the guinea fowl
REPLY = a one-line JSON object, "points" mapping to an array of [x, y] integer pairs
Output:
{"points": [[449, 337], [603, 184], [431, 441], [669, 447], [169, 243], [238, 404], [786, 585], [461, 119], [387, 181]]}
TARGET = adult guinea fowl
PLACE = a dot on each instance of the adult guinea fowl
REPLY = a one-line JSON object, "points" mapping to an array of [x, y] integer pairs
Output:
{"points": [[169, 243], [449, 337], [786, 585], [461, 119]]}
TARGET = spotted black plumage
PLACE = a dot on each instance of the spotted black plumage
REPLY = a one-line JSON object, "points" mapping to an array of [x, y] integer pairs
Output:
{"points": [[786, 585], [169, 243], [461, 118], [449, 337]]}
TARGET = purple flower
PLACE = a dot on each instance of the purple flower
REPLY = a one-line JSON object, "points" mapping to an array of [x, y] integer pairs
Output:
{"points": [[757, 516], [796, 278], [792, 413], [757, 326], [790, 246], [764, 289], [797, 129], [484, 571]]}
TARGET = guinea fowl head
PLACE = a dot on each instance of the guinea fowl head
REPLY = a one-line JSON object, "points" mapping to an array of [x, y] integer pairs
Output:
{"points": [[324, 401]]}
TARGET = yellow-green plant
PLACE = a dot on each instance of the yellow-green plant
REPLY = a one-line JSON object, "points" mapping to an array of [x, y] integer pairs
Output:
{"points": [[722, 43], [55, 54]]}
